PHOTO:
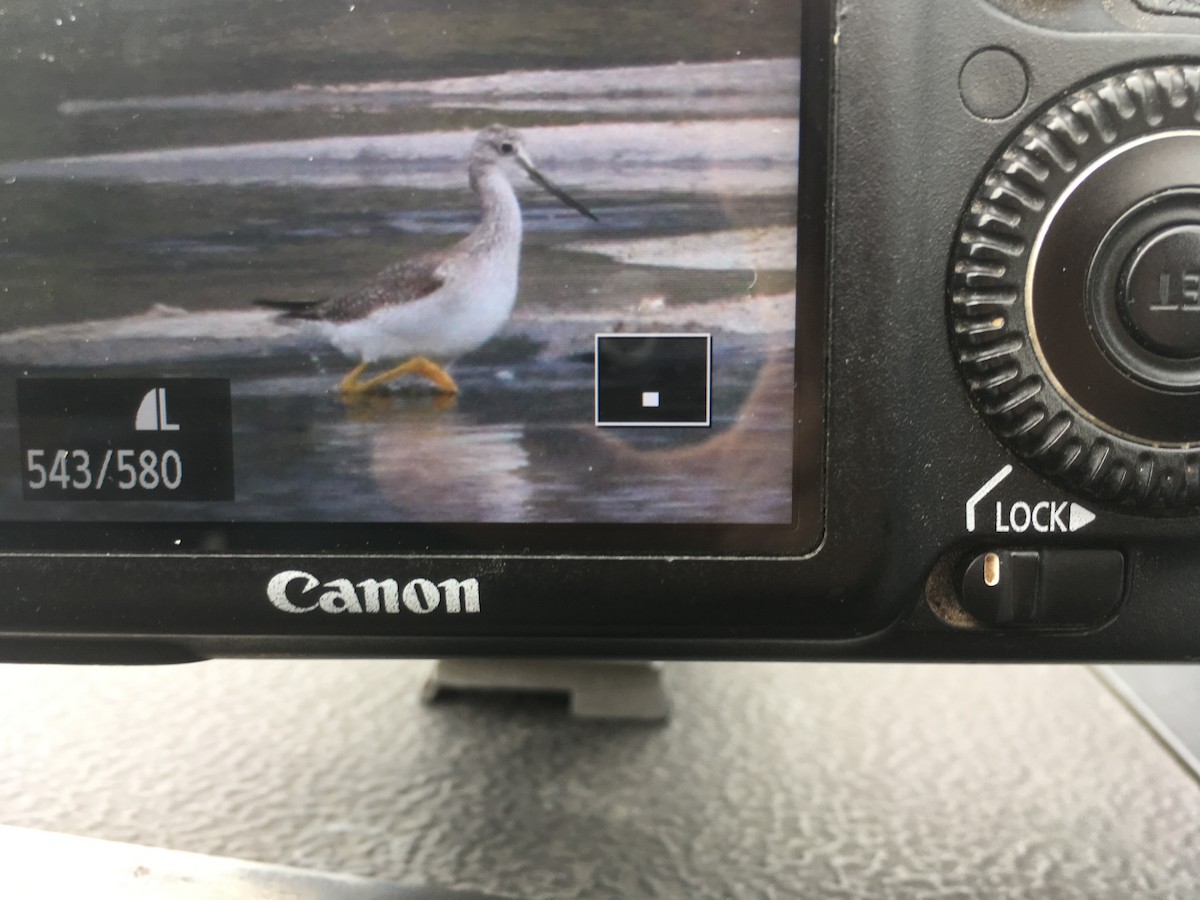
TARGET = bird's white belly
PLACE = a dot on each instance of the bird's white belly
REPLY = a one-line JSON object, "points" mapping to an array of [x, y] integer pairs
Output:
{"points": [[460, 317]]}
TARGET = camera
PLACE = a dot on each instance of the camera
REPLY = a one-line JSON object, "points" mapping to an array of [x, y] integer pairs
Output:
{"points": [[827, 329]]}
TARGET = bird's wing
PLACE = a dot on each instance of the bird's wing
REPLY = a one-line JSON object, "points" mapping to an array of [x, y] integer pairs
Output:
{"points": [[402, 283]]}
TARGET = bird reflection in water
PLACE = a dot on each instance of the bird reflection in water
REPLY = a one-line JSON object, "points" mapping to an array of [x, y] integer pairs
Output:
{"points": [[368, 408], [437, 467]]}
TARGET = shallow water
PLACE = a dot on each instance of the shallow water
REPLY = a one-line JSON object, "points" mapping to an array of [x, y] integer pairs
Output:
{"points": [[519, 445], [221, 248]]}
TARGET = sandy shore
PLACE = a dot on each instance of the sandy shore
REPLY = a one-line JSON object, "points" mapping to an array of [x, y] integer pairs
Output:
{"points": [[741, 157]]}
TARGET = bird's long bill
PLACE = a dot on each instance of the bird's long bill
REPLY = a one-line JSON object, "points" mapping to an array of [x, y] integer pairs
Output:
{"points": [[554, 189]]}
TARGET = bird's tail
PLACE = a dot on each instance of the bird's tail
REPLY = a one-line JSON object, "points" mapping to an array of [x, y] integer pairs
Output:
{"points": [[293, 309]]}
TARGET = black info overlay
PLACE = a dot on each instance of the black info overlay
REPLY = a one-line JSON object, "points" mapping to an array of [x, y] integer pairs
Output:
{"points": [[653, 379], [165, 439]]}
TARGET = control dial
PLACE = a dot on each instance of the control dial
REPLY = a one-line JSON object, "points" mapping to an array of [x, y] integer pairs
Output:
{"points": [[1074, 291]]}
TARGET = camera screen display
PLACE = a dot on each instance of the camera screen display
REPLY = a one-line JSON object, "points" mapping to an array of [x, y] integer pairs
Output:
{"points": [[526, 262]]}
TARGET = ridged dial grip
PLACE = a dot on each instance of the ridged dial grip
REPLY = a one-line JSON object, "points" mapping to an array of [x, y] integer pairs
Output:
{"points": [[1026, 327]]}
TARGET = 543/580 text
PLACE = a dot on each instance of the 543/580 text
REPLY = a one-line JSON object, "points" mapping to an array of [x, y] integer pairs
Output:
{"points": [[83, 470]]}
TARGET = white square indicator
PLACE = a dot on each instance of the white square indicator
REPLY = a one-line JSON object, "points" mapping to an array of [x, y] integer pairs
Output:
{"points": [[650, 399]]}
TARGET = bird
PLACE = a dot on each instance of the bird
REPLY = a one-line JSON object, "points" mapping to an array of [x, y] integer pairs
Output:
{"points": [[429, 310]]}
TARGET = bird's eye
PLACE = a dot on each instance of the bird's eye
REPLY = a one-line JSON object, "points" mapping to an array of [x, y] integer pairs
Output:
{"points": [[506, 148]]}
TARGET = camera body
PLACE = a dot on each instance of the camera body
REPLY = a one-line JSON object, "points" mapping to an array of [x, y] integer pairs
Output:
{"points": [[984, 482]]}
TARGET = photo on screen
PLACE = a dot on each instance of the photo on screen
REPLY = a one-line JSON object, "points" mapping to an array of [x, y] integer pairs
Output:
{"points": [[521, 262]]}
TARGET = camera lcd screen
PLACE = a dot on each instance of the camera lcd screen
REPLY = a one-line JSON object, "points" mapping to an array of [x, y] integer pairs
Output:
{"points": [[520, 263]]}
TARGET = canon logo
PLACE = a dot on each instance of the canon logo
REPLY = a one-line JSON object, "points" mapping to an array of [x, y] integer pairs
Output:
{"points": [[297, 592]]}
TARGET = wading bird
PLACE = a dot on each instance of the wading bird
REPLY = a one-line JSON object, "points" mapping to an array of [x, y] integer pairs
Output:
{"points": [[429, 310]]}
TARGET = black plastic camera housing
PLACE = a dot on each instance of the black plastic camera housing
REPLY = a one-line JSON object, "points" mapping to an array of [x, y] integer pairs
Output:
{"points": [[1000, 212]]}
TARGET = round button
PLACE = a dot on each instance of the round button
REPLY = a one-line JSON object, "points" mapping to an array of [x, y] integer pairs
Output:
{"points": [[993, 83], [1159, 298]]}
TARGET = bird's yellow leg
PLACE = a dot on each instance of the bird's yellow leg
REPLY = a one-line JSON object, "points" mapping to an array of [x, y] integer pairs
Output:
{"points": [[351, 383], [418, 365]]}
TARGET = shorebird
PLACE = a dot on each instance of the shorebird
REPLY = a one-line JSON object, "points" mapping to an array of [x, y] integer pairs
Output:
{"points": [[429, 310]]}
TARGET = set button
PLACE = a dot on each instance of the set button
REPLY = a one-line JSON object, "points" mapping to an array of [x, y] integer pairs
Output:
{"points": [[1159, 298]]}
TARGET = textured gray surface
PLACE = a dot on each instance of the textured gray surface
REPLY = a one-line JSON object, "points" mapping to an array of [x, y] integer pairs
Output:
{"points": [[772, 780], [44, 864], [1167, 700]]}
